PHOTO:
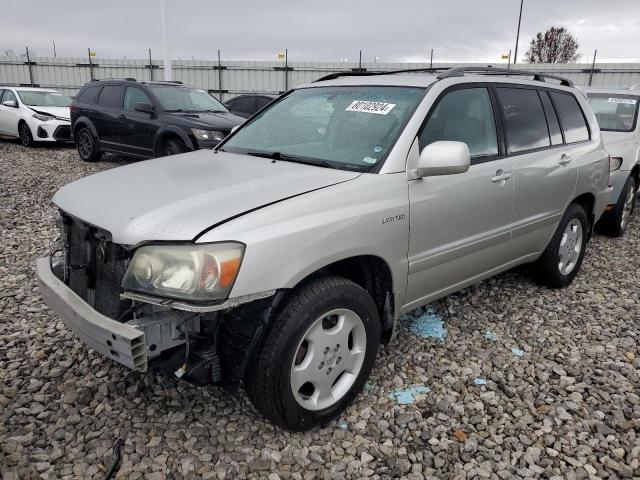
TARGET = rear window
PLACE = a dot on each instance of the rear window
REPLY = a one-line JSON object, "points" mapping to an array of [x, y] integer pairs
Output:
{"points": [[615, 112], [111, 96], [89, 95], [525, 121], [571, 117]]}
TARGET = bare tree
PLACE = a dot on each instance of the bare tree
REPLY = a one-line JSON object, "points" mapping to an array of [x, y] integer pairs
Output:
{"points": [[556, 45]]}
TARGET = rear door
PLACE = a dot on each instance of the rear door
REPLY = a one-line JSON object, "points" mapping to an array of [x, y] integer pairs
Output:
{"points": [[109, 117], [139, 127], [543, 172], [460, 224]]}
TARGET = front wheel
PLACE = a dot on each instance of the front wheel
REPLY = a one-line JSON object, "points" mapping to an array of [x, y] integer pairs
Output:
{"points": [[615, 222], [87, 145], [561, 260], [317, 354], [173, 146], [24, 132]]}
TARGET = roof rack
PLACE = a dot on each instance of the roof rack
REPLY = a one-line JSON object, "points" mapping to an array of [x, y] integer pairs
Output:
{"points": [[453, 72], [333, 76], [538, 76], [128, 79]]}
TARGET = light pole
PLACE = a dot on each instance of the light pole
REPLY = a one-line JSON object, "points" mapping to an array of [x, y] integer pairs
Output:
{"points": [[515, 56], [166, 54]]}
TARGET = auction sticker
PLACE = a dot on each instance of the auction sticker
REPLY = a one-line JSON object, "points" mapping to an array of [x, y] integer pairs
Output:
{"points": [[630, 101], [379, 108]]}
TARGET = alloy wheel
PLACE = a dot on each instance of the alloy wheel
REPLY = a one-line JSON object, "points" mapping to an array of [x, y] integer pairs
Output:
{"points": [[570, 247], [328, 359], [85, 144], [627, 210], [24, 135]]}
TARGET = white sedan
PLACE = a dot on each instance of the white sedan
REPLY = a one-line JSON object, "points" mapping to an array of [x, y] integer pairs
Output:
{"points": [[34, 115]]}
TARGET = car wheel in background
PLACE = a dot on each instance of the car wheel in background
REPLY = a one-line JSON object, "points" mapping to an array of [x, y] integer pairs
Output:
{"points": [[561, 260], [615, 222], [316, 355], [24, 133], [87, 145], [173, 146]]}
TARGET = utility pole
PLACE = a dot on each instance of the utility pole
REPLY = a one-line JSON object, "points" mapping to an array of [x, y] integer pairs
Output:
{"points": [[515, 56], [593, 65], [29, 66], [54, 48], [509, 61], [166, 53], [431, 59]]}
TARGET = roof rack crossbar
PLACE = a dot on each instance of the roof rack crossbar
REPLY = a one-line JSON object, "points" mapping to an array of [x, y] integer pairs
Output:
{"points": [[538, 76]]}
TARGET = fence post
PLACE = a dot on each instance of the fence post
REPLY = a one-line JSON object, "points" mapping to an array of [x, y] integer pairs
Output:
{"points": [[431, 59], [150, 67], [219, 76], [286, 70], [90, 63], [593, 65], [29, 67]]}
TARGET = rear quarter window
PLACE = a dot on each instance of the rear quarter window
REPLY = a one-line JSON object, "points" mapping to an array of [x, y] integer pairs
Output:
{"points": [[572, 119], [89, 95]]}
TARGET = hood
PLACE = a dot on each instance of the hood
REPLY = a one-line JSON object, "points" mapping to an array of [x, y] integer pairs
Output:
{"points": [[223, 121], [61, 112], [178, 197]]}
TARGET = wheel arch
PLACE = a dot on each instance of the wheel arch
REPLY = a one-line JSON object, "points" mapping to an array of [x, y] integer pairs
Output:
{"points": [[587, 201], [83, 122], [373, 274], [166, 133]]}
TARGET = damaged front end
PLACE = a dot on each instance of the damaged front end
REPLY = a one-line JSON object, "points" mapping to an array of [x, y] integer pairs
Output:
{"points": [[202, 342]]}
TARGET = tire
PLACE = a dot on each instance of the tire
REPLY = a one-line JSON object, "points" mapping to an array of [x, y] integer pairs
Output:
{"points": [[615, 222], [87, 145], [24, 134], [561, 260], [339, 361], [173, 146]]}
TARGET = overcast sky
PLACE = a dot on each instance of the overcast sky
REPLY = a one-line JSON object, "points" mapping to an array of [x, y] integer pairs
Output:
{"points": [[392, 30]]}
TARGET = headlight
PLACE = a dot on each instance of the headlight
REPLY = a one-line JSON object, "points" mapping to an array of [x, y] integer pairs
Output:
{"points": [[208, 134], [43, 118], [191, 272], [614, 163]]}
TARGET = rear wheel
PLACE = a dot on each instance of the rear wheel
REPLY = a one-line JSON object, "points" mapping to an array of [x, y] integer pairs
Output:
{"points": [[615, 222], [87, 145], [317, 354], [173, 146], [561, 260], [24, 132]]}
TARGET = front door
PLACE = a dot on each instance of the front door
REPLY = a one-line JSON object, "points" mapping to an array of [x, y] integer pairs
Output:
{"points": [[460, 224], [9, 116], [140, 127]]}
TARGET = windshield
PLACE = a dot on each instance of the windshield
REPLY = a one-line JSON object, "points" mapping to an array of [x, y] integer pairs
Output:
{"points": [[615, 112], [186, 99], [340, 127], [44, 99]]}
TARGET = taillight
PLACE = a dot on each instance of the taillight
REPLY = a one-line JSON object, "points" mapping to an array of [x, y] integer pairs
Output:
{"points": [[614, 163]]}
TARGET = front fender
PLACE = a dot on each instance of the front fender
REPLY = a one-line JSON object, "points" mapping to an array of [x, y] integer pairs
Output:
{"points": [[83, 122], [167, 130]]}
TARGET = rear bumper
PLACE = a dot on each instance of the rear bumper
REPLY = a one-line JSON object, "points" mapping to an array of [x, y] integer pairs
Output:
{"points": [[115, 340], [617, 179]]}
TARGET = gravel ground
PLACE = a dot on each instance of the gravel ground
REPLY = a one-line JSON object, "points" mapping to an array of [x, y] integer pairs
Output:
{"points": [[526, 383]]}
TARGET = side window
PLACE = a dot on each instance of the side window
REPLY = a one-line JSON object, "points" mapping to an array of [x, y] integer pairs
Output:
{"points": [[525, 122], [552, 119], [9, 95], [89, 95], [245, 104], [111, 96], [1, 92], [134, 95], [465, 116], [573, 123]]}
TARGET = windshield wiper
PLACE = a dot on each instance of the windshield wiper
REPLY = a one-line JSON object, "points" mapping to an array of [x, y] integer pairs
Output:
{"points": [[291, 158]]}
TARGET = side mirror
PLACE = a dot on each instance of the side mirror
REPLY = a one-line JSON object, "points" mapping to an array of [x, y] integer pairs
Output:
{"points": [[143, 107], [443, 158], [10, 103]]}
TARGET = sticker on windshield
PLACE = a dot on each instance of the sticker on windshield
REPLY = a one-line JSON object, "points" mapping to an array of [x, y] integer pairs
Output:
{"points": [[629, 101], [379, 108], [369, 160]]}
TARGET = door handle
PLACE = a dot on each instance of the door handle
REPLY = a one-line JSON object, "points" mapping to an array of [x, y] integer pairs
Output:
{"points": [[501, 176], [564, 159]]}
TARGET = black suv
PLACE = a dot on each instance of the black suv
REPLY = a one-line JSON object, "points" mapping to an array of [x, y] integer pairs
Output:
{"points": [[246, 105], [146, 119]]}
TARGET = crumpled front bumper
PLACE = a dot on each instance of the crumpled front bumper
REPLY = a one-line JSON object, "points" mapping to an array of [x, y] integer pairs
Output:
{"points": [[115, 340]]}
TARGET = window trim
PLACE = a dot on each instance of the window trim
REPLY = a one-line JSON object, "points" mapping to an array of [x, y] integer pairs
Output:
{"points": [[498, 125]]}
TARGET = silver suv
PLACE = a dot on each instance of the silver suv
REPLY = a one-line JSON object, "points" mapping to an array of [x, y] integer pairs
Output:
{"points": [[285, 257], [617, 114]]}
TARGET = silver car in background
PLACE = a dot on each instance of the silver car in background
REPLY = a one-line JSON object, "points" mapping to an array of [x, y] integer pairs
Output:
{"points": [[284, 258], [617, 114]]}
